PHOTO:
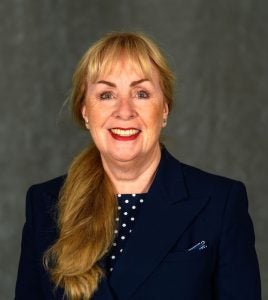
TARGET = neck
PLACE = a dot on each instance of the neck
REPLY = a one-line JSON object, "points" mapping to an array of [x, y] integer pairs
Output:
{"points": [[135, 176]]}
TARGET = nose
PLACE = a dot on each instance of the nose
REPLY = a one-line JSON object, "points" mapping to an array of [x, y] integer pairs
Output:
{"points": [[125, 109]]}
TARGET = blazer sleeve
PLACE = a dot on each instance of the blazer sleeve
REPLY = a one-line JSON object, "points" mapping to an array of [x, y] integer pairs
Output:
{"points": [[238, 275], [28, 284]]}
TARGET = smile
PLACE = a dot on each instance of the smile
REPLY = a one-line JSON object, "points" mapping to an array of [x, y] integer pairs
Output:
{"points": [[125, 134]]}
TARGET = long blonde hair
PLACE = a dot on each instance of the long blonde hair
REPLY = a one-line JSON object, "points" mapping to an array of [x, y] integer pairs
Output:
{"points": [[87, 205]]}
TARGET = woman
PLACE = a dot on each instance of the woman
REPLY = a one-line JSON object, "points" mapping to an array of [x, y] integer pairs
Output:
{"points": [[193, 237]]}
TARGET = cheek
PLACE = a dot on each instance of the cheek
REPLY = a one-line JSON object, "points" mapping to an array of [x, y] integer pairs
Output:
{"points": [[96, 115], [156, 115], [154, 123]]}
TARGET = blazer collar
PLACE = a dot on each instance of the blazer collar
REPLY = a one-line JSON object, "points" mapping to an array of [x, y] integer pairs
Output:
{"points": [[164, 216]]}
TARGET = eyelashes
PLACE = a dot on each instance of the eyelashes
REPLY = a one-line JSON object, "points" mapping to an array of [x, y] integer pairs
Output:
{"points": [[107, 95], [142, 94]]}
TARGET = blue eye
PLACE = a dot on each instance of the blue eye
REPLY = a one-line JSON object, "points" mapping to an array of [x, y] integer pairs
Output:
{"points": [[106, 96], [142, 95]]}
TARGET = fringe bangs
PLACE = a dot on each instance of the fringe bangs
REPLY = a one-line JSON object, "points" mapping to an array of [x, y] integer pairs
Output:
{"points": [[104, 58]]}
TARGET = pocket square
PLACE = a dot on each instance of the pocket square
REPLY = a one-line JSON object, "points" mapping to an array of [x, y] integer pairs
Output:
{"points": [[199, 246]]}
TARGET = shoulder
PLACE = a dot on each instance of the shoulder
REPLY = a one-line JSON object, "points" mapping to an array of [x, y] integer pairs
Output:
{"points": [[199, 182], [202, 180], [228, 201], [45, 193], [50, 187], [223, 191]]}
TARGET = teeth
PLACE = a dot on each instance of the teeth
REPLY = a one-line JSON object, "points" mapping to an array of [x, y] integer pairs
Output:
{"points": [[122, 132]]}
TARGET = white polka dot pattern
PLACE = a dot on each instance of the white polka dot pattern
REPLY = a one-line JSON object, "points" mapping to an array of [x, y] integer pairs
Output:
{"points": [[128, 209]]}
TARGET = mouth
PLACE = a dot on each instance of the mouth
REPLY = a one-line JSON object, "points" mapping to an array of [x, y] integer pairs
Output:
{"points": [[124, 134]]}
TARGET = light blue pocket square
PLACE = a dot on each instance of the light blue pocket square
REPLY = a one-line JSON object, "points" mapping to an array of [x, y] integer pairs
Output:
{"points": [[199, 246]]}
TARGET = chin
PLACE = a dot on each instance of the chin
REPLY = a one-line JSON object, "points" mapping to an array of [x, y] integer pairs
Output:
{"points": [[123, 155]]}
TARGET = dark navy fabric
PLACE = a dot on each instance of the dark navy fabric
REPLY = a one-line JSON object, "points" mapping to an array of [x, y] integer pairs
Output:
{"points": [[184, 206]]}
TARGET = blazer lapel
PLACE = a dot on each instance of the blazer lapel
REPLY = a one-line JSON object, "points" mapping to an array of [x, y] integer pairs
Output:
{"points": [[165, 215]]}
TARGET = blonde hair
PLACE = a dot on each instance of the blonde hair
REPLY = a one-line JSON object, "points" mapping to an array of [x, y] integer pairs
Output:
{"points": [[87, 205]]}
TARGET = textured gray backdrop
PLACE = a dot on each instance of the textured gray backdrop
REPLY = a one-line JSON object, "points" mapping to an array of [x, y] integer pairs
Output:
{"points": [[219, 51]]}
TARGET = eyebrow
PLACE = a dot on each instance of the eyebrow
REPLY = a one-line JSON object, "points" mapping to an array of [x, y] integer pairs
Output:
{"points": [[133, 83]]}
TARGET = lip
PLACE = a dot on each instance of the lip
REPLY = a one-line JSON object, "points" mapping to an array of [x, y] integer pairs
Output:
{"points": [[124, 134]]}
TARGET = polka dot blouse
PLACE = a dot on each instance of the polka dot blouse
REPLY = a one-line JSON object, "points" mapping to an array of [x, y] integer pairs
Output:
{"points": [[128, 209]]}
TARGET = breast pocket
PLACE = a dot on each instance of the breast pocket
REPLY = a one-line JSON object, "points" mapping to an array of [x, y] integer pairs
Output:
{"points": [[185, 255], [181, 267], [181, 272]]}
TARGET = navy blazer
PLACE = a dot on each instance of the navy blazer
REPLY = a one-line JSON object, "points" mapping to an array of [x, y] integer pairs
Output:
{"points": [[184, 206]]}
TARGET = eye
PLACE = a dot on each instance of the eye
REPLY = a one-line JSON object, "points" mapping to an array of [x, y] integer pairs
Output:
{"points": [[106, 96], [142, 95]]}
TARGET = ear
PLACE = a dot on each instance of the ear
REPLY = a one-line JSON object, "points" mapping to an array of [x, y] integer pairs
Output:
{"points": [[84, 115], [84, 112], [165, 114], [165, 110]]}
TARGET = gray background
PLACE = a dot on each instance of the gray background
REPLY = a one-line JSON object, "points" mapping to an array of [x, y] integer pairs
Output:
{"points": [[218, 50]]}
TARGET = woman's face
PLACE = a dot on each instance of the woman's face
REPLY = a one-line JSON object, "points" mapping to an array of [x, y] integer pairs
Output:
{"points": [[125, 112]]}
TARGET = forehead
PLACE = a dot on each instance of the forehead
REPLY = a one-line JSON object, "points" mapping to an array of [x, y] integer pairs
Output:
{"points": [[105, 62], [129, 69]]}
